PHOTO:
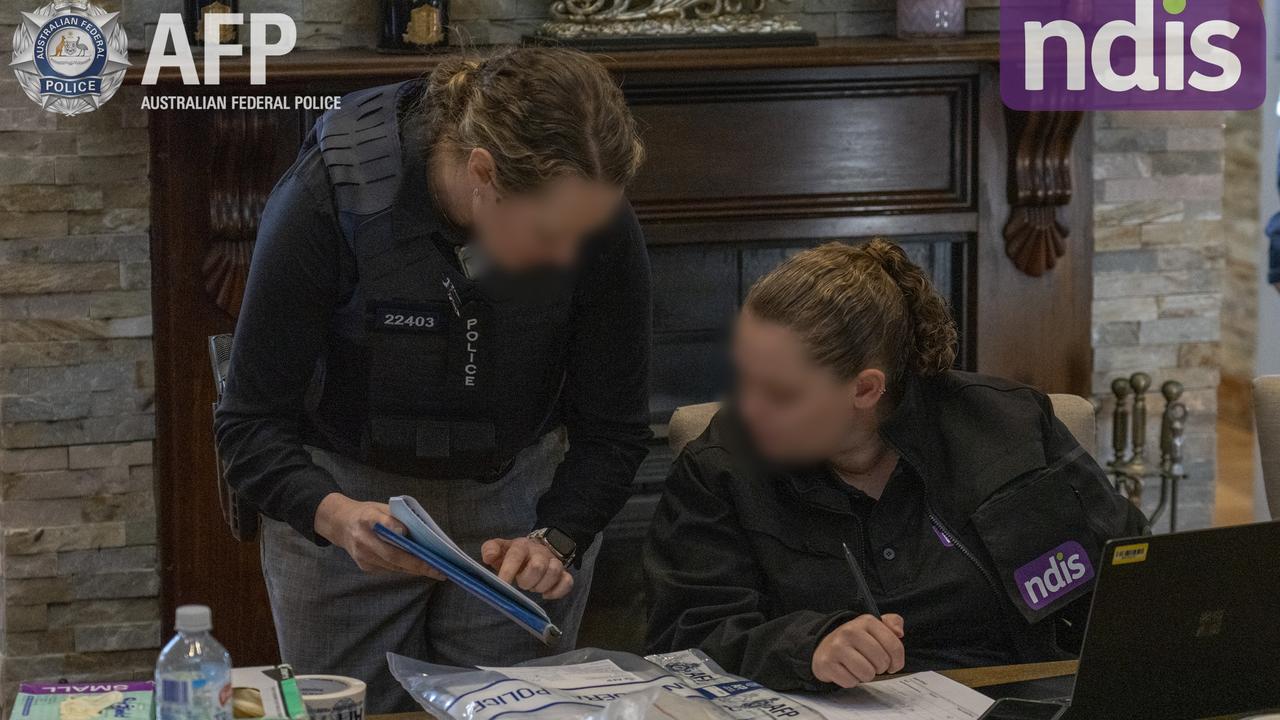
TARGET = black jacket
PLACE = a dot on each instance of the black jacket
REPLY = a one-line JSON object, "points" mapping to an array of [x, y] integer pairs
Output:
{"points": [[745, 561]]}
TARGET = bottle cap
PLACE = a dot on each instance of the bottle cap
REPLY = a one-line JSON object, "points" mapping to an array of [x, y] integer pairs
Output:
{"points": [[193, 618]]}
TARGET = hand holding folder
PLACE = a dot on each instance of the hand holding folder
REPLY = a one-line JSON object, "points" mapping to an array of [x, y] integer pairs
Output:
{"points": [[428, 542]]}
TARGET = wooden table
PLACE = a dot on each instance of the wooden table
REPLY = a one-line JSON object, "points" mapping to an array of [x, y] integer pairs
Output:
{"points": [[972, 677]]}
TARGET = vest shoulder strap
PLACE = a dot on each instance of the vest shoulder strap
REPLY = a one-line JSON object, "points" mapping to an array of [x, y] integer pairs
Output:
{"points": [[360, 146]]}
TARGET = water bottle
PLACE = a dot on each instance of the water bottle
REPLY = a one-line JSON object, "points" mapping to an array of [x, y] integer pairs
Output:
{"points": [[193, 674]]}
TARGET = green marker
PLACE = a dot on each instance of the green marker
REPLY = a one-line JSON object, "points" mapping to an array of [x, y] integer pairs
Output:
{"points": [[1175, 7]]}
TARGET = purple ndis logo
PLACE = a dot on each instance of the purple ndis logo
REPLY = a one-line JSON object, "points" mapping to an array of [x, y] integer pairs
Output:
{"points": [[1132, 54], [1053, 575]]}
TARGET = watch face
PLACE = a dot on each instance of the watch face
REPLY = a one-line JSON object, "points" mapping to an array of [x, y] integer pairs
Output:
{"points": [[560, 542]]}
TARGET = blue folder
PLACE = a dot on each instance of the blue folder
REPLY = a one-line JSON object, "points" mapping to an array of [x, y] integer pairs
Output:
{"points": [[493, 591]]}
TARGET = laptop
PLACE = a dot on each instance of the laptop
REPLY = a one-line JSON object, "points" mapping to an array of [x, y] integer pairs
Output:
{"points": [[1182, 626]]}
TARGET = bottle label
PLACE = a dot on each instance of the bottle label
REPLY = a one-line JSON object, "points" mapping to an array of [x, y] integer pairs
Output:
{"points": [[189, 698], [177, 692]]}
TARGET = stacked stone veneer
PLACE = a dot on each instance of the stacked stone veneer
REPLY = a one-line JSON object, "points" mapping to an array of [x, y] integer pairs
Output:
{"points": [[77, 510], [1159, 273], [1244, 232]]}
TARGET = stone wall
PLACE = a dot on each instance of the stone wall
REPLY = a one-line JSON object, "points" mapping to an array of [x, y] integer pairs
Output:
{"points": [[77, 514], [1243, 231], [1158, 279]]}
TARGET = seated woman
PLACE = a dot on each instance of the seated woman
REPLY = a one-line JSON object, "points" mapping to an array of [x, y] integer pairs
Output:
{"points": [[974, 516]]}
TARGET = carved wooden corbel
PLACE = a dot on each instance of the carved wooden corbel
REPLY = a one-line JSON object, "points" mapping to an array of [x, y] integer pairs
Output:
{"points": [[1039, 184], [243, 177]]}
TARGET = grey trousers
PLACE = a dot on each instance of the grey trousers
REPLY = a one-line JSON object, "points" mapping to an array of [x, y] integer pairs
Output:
{"points": [[332, 618]]}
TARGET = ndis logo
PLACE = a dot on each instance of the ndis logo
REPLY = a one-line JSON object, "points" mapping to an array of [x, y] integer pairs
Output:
{"points": [[1132, 54], [1053, 574]]}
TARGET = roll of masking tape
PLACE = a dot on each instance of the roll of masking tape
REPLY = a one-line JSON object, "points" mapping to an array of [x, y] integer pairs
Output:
{"points": [[332, 697]]}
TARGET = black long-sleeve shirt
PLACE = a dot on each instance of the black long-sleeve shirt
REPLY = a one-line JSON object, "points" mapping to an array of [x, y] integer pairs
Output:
{"points": [[744, 559], [302, 270]]}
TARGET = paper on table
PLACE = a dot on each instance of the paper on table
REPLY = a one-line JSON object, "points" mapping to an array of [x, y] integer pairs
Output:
{"points": [[922, 696], [593, 675]]}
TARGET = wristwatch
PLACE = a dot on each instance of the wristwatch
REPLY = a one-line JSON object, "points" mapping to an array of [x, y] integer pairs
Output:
{"points": [[557, 542]]}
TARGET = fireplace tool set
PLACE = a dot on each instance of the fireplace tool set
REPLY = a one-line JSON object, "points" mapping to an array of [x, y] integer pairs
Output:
{"points": [[1130, 469]]}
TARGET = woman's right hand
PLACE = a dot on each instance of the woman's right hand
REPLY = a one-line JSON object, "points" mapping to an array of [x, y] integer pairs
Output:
{"points": [[859, 650], [349, 524]]}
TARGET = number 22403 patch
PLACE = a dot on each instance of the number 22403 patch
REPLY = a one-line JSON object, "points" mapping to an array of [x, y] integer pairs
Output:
{"points": [[410, 318]]}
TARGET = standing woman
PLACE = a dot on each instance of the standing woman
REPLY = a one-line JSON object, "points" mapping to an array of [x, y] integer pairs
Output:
{"points": [[447, 286]]}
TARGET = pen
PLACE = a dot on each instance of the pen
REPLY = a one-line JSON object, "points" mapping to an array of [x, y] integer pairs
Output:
{"points": [[863, 590]]}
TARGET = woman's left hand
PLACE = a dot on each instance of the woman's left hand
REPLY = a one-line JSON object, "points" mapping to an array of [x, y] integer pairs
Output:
{"points": [[529, 565]]}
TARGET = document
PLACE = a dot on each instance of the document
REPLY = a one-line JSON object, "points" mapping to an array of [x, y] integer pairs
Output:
{"points": [[922, 696], [597, 675], [429, 542]]}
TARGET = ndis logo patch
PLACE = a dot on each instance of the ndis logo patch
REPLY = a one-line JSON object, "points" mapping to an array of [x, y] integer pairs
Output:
{"points": [[1132, 54], [1053, 574]]}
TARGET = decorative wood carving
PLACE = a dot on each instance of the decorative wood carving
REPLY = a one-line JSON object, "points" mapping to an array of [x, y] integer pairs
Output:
{"points": [[240, 183], [1039, 183]]}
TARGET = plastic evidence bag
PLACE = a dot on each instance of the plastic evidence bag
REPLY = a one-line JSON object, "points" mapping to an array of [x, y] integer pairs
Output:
{"points": [[591, 684]]}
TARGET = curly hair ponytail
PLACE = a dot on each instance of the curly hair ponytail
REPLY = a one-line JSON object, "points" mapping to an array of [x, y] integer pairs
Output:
{"points": [[541, 113], [858, 307], [933, 332]]}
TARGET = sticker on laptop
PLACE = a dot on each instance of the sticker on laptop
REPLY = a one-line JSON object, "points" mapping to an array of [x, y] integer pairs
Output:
{"points": [[1129, 554], [1053, 575]]}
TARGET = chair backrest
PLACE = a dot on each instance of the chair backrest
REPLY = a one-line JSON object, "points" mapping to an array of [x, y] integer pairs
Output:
{"points": [[1266, 412], [240, 516], [220, 360], [688, 422], [1075, 412]]}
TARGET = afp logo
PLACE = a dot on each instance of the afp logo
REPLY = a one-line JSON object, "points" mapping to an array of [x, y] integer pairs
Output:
{"points": [[1053, 575], [70, 57], [1132, 54]]}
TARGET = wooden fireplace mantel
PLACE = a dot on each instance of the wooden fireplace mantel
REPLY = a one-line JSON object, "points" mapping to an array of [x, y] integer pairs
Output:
{"points": [[327, 65], [1040, 177]]}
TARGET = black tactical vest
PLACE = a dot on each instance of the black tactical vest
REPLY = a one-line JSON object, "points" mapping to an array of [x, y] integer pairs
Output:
{"points": [[438, 376]]}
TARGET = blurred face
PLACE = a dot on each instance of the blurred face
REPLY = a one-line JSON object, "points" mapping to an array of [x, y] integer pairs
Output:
{"points": [[543, 228], [796, 410]]}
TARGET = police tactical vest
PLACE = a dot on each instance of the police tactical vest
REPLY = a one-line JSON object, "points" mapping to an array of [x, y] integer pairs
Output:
{"points": [[439, 376]]}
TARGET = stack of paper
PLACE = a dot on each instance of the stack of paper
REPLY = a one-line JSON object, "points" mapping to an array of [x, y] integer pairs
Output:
{"points": [[429, 542], [922, 696]]}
